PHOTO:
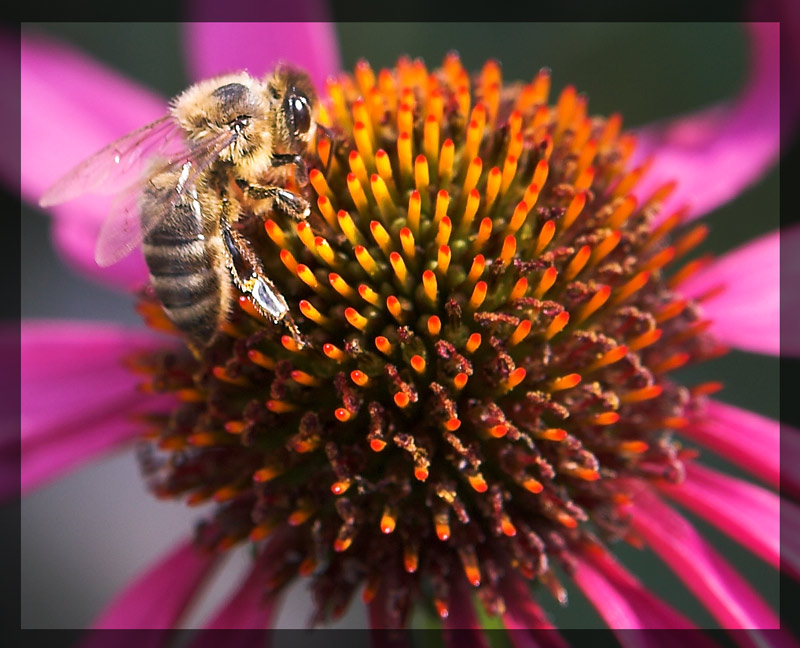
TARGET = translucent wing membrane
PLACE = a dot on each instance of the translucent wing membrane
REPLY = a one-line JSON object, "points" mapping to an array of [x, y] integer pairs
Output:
{"points": [[124, 229], [119, 164], [125, 167]]}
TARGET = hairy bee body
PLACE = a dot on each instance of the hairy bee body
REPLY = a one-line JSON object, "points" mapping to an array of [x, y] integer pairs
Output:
{"points": [[217, 159]]}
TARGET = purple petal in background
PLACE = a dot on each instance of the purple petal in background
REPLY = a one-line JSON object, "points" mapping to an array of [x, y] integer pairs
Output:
{"points": [[158, 598], [71, 108], [217, 48], [77, 397], [747, 513], [729, 598], [748, 439], [716, 154], [746, 313]]}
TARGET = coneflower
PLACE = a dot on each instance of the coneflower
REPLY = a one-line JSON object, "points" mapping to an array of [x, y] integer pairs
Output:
{"points": [[493, 292], [489, 318]]}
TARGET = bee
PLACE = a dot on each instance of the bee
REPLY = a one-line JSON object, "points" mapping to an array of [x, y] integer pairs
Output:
{"points": [[184, 183]]}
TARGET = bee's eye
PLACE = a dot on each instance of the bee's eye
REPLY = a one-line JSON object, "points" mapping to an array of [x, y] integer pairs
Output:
{"points": [[299, 114]]}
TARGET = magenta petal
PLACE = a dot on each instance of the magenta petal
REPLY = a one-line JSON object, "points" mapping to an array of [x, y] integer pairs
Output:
{"points": [[748, 514], [622, 601], [158, 598], [716, 154], [726, 594], [94, 107], [77, 399], [748, 439], [747, 313], [462, 629], [526, 622], [253, 605], [257, 47]]}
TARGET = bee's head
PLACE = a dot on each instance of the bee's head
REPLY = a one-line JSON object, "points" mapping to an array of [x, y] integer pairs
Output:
{"points": [[293, 102]]}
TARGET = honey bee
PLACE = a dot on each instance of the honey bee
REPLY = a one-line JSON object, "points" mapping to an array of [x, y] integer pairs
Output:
{"points": [[184, 182]]}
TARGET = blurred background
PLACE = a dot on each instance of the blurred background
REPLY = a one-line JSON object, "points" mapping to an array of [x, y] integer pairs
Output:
{"points": [[86, 536]]}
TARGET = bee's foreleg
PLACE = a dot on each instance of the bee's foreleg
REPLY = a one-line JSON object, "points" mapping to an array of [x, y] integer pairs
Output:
{"points": [[249, 277], [300, 166], [286, 201]]}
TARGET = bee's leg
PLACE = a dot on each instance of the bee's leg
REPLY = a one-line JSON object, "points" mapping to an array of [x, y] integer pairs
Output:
{"points": [[249, 277], [301, 169], [286, 201]]}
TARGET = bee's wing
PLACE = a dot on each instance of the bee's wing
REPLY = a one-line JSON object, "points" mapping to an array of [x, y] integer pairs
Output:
{"points": [[119, 164], [124, 229]]}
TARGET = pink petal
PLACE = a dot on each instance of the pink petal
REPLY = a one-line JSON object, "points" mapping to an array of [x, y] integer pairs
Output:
{"points": [[726, 594], [158, 598], [77, 398], [94, 106], [257, 47], [462, 629], [253, 605], [748, 514], [745, 438], [526, 622], [717, 153], [747, 313], [622, 601]]}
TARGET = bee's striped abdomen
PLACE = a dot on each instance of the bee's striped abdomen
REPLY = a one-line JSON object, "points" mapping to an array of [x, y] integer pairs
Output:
{"points": [[183, 271]]}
